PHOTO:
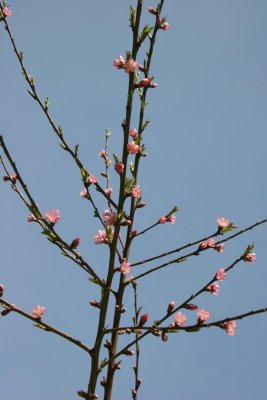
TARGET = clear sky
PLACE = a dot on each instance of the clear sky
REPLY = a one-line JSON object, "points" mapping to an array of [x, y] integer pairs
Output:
{"points": [[206, 146]]}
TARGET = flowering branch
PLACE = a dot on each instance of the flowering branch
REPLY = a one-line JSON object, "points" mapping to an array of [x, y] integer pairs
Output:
{"points": [[43, 325], [197, 242], [49, 229]]}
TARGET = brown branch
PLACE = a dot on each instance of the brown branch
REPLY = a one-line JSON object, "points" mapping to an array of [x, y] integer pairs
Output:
{"points": [[43, 325], [198, 241]]}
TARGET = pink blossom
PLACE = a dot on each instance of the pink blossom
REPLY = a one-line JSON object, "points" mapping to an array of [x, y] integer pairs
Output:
{"points": [[152, 11], [13, 178], [203, 315], [230, 327], [31, 218], [130, 65], [162, 220], [221, 274], [109, 218], [219, 248], [132, 147], [170, 307], [84, 193], [136, 192], [222, 223], [214, 288], [211, 243], [202, 245], [102, 154], [125, 267], [251, 257], [144, 82], [143, 319], [171, 219], [38, 311], [165, 26], [180, 319], [108, 191], [52, 216], [101, 237], [75, 243], [92, 179], [119, 167], [190, 306], [119, 62], [133, 132], [6, 12]]}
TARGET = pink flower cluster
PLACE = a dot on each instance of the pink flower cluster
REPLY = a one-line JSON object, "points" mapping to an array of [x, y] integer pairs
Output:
{"points": [[92, 179], [211, 244], [136, 191], [109, 218], [108, 191], [128, 66], [101, 237], [203, 315], [38, 311], [221, 274], [119, 167], [214, 288], [7, 12], [133, 148], [251, 257], [84, 193], [125, 267], [52, 216], [230, 327], [222, 223], [13, 178], [179, 319], [170, 219], [133, 133]]}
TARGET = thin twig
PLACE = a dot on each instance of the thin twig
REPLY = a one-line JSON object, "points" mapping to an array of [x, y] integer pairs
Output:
{"points": [[43, 325]]}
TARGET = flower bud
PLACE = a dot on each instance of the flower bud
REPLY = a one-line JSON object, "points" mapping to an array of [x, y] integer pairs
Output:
{"points": [[190, 307], [141, 205], [170, 307], [108, 344], [75, 243], [82, 394], [138, 382], [128, 352], [152, 10], [164, 337], [94, 303], [127, 222], [1, 290], [7, 311], [143, 319], [251, 257]]}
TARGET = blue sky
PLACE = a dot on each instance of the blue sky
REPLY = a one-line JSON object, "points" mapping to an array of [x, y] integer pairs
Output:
{"points": [[206, 147]]}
